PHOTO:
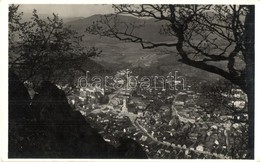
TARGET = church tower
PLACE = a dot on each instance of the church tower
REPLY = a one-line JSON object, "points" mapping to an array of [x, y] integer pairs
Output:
{"points": [[124, 107]]}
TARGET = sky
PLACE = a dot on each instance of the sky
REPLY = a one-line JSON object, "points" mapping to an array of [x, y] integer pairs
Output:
{"points": [[67, 10]]}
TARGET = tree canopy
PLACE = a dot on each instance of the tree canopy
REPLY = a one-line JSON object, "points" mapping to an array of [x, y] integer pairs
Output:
{"points": [[202, 34], [43, 48], [215, 38]]}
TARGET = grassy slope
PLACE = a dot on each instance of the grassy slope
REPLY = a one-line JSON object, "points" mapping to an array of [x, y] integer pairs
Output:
{"points": [[117, 54]]}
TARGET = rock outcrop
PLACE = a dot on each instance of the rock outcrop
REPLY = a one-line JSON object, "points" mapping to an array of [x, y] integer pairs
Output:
{"points": [[130, 149], [19, 116], [47, 127]]}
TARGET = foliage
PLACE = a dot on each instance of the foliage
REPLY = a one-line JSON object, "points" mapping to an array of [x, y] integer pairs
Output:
{"points": [[218, 97], [43, 49], [202, 34], [205, 36]]}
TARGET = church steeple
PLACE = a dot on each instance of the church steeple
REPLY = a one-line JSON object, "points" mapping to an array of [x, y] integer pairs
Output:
{"points": [[124, 107]]}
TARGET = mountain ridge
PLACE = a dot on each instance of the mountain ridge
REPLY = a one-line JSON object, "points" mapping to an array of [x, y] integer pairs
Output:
{"points": [[117, 54]]}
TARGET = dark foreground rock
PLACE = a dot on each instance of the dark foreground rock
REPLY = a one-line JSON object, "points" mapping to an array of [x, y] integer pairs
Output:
{"points": [[47, 127], [130, 149]]}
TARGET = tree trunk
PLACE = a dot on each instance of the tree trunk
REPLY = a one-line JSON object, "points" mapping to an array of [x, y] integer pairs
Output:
{"points": [[250, 69], [251, 123]]}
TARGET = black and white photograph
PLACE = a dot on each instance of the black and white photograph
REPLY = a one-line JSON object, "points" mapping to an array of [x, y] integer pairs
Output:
{"points": [[131, 81]]}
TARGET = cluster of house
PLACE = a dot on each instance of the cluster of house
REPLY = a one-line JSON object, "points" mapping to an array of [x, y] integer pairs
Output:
{"points": [[185, 102], [187, 98]]}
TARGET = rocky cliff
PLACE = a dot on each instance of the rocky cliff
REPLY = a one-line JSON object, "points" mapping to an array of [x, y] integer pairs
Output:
{"points": [[47, 127]]}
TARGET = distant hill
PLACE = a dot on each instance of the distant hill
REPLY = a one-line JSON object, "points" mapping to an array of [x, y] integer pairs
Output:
{"points": [[118, 54], [27, 17], [150, 30]]}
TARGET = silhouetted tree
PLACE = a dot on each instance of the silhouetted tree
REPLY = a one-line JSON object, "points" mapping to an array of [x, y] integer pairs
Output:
{"points": [[43, 49], [204, 36], [219, 95]]}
